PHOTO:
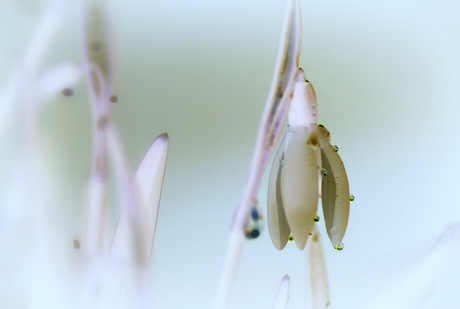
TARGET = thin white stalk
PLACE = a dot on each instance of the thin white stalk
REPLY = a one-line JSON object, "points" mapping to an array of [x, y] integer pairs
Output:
{"points": [[96, 204], [19, 102], [97, 44], [35, 53], [317, 283], [45, 33], [282, 297], [25, 75], [129, 246], [23, 96], [274, 118], [98, 61]]}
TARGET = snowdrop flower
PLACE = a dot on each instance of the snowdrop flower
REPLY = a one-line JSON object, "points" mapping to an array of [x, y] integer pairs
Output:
{"points": [[306, 167]]}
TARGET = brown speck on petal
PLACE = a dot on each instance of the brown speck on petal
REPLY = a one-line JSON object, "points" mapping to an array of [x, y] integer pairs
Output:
{"points": [[76, 244], [313, 140], [315, 237]]}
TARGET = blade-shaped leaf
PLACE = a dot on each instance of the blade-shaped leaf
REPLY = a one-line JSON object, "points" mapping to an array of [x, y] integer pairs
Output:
{"points": [[143, 199], [149, 180], [282, 297]]}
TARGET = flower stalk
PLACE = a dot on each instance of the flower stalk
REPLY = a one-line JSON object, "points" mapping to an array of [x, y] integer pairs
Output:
{"points": [[272, 123]]}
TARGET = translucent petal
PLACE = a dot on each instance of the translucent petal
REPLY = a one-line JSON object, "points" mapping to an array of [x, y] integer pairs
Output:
{"points": [[277, 223], [304, 107], [299, 181], [335, 192]]}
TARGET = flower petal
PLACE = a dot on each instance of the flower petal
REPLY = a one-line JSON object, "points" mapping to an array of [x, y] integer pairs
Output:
{"points": [[335, 192], [304, 108], [277, 223], [299, 181]]}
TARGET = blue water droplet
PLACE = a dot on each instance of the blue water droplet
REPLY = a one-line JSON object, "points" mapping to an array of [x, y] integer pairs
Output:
{"points": [[254, 213], [253, 234]]}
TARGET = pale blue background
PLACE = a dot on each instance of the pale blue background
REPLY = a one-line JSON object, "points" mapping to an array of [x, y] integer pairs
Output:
{"points": [[386, 75]]}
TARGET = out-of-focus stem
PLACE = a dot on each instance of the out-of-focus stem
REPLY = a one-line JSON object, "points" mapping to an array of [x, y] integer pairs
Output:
{"points": [[317, 283], [274, 118], [98, 62], [131, 245]]}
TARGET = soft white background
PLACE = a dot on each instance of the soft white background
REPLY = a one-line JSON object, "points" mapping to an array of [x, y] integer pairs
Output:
{"points": [[386, 75]]}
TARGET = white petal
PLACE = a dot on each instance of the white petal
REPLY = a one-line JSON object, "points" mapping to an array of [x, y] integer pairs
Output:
{"points": [[277, 223], [335, 193], [304, 108], [299, 181]]}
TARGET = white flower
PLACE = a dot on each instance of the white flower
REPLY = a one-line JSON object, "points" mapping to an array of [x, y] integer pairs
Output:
{"points": [[306, 167]]}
